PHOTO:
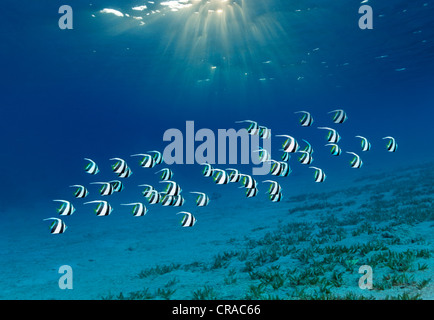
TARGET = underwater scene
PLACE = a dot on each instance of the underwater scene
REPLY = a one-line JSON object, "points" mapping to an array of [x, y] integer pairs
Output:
{"points": [[217, 150]]}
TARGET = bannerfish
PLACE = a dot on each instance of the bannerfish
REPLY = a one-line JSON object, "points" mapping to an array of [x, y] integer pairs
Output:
{"points": [[392, 146], [306, 119], [264, 155], [319, 175], [290, 145], [106, 189], [91, 167], [188, 220], [332, 136], [147, 160], [276, 197], [102, 209], [274, 187], [139, 209], [356, 162], [335, 149], [58, 226], [339, 116], [148, 188], [80, 192], [365, 144], [221, 177], [66, 208], [305, 158], [117, 185], [158, 157], [252, 192], [235, 175], [153, 197], [120, 166], [208, 170], [264, 132], [202, 200], [166, 174], [253, 129], [172, 189]]}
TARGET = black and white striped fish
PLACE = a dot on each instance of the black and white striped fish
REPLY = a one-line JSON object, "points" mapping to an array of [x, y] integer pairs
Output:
{"points": [[166, 200], [188, 220], [308, 147], [58, 226], [106, 189], [264, 155], [139, 209], [117, 185], [166, 174], [153, 197], [66, 208], [306, 119], [178, 201], [221, 176], [248, 181], [120, 166], [290, 145], [274, 187], [235, 175], [253, 129], [252, 192], [305, 158], [280, 168], [319, 175], [332, 136], [158, 157], [147, 160], [148, 188], [286, 156], [276, 197], [365, 144], [339, 116], [126, 173], [172, 189], [356, 162], [80, 192], [202, 200], [102, 209], [208, 170], [264, 132], [335, 149], [392, 146], [91, 167]]}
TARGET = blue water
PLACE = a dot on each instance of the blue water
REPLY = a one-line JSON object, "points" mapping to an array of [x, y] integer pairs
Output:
{"points": [[111, 87]]}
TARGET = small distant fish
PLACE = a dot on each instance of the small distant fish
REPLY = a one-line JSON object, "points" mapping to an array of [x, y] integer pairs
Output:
{"points": [[166, 174], [178, 201], [290, 145], [66, 209], [148, 188], [221, 177], [147, 160], [126, 173], [264, 155], [319, 176], [276, 197], [172, 189], [356, 162], [280, 168], [58, 226], [335, 149], [202, 200], [308, 147], [234, 176], [120, 166], [332, 136], [80, 192], [306, 158], [91, 167], [248, 181], [117, 185], [253, 129], [103, 208], [366, 145], [286, 156], [208, 170], [167, 200], [251, 192], [139, 209], [306, 119], [264, 132], [188, 220], [275, 187], [153, 197], [392, 146], [106, 189], [158, 157], [339, 116]]}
